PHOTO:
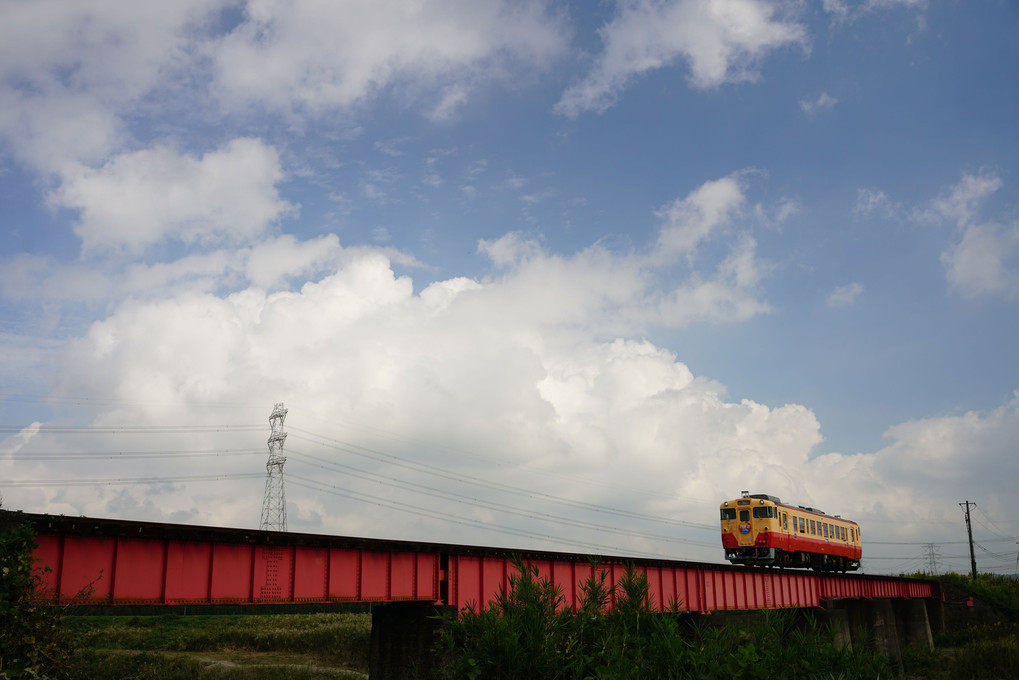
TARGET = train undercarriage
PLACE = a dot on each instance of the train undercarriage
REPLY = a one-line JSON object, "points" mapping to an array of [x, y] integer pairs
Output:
{"points": [[776, 557]]}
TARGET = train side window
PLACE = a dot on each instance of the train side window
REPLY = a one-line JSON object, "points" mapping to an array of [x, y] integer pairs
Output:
{"points": [[728, 513], [764, 513], [744, 515], [813, 527], [803, 525], [785, 521]]}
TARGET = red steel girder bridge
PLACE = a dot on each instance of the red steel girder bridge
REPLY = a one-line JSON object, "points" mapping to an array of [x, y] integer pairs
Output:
{"points": [[115, 562]]}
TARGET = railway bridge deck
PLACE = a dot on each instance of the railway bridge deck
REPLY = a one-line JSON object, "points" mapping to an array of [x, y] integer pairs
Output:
{"points": [[108, 562]]}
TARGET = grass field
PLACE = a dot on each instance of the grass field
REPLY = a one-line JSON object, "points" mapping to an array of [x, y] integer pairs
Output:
{"points": [[296, 646]]}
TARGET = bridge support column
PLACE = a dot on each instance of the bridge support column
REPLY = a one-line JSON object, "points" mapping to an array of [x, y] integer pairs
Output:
{"points": [[838, 619], [935, 614], [401, 640], [913, 624], [872, 625]]}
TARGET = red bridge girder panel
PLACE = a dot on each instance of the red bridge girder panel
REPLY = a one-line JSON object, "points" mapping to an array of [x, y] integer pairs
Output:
{"points": [[834, 587], [758, 589], [97, 561], [477, 580], [119, 570]]}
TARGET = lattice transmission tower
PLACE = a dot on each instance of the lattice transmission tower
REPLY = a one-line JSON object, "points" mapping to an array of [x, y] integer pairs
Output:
{"points": [[274, 502], [933, 558]]}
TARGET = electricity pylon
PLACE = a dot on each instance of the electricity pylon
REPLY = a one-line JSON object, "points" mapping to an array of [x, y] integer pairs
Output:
{"points": [[274, 502]]}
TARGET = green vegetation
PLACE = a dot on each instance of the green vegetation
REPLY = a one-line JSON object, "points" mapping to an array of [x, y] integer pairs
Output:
{"points": [[30, 641], [981, 641], [343, 637], [1000, 592], [526, 633], [228, 646], [299, 646]]}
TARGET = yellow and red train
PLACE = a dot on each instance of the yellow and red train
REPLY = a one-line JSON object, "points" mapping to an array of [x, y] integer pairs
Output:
{"points": [[759, 529]]}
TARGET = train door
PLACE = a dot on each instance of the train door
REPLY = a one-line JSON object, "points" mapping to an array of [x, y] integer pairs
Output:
{"points": [[744, 537]]}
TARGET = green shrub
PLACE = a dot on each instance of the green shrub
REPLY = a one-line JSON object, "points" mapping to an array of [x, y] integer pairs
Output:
{"points": [[30, 641], [521, 635], [1001, 592]]}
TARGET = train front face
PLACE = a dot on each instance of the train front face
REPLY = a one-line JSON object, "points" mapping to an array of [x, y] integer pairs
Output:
{"points": [[747, 525]]}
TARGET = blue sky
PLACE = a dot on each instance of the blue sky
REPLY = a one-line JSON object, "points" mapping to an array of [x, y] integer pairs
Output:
{"points": [[637, 255]]}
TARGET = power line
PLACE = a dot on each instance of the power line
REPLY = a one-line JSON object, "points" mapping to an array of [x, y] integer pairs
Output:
{"points": [[130, 455], [116, 481], [421, 444], [373, 454], [504, 508], [456, 519], [127, 429], [994, 527], [357, 472], [988, 540]]}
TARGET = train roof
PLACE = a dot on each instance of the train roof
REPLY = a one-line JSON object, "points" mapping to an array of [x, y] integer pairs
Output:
{"points": [[766, 497], [778, 501]]}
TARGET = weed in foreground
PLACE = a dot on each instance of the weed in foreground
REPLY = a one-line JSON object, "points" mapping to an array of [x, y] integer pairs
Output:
{"points": [[996, 659]]}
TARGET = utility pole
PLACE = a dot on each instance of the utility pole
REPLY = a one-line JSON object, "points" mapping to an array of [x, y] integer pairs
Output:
{"points": [[969, 530]]}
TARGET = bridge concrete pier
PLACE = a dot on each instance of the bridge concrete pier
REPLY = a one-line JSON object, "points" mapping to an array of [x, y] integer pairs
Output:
{"points": [[883, 625], [838, 620], [912, 622]]}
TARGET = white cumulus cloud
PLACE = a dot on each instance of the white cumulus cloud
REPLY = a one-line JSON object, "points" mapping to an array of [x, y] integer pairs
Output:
{"points": [[692, 219], [983, 258], [308, 56], [142, 198], [722, 41]]}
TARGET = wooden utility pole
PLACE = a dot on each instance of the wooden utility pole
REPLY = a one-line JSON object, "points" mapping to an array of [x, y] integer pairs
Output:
{"points": [[969, 530]]}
